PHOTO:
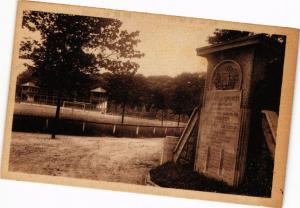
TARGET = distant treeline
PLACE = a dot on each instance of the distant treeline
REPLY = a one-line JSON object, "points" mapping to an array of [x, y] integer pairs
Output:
{"points": [[161, 95]]}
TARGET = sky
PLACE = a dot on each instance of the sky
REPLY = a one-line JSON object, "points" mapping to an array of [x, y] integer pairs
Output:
{"points": [[169, 44]]}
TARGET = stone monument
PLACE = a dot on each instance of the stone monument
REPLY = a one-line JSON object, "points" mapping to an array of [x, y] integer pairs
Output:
{"points": [[233, 70]]}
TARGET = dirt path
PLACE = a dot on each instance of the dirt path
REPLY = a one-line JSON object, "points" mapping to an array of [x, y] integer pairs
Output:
{"points": [[103, 158]]}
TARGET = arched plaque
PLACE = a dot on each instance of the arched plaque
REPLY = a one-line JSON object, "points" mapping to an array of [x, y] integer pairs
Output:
{"points": [[226, 76]]}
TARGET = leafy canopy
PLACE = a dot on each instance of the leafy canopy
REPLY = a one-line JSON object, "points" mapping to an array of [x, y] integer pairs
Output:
{"points": [[71, 48]]}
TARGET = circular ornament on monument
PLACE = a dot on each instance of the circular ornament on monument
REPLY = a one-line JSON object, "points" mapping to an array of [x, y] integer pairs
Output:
{"points": [[226, 76]]}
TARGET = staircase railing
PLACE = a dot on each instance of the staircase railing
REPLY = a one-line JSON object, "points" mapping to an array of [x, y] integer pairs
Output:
{"points": [[186, 134]]}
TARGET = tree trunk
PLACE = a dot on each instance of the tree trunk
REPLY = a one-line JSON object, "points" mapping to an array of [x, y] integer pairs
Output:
{"points": [[162, 117], [116, 108], [178, 121], [123, 112], [56, 119], [156, 111]]}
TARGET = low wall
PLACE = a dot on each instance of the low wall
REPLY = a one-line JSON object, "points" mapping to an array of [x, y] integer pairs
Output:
{"points": [[169, 145], [41, 124]]}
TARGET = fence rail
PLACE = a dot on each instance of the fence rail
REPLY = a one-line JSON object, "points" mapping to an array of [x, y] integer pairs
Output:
{"points": [[33, 109], [51, 100]]}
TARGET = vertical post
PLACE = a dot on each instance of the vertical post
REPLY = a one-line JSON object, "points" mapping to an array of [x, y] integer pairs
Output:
{"points": [[123, 112], [83, 127], [114, 129], [137, 131], [154, 131], [47, 123], [56, 119]]}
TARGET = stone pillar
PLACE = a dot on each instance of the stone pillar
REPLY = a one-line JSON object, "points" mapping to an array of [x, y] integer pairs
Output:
{"points": [[169, 145], [233, 70]]}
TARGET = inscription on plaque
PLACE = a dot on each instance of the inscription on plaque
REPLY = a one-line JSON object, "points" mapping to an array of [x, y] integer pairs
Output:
{"points": [[219, 131], [221, 118]]}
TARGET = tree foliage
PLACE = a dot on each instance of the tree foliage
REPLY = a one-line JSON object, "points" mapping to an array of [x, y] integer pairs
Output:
{"points": [[70, 48], [159, 96], [187, 93], [120, 89], [221, 36]]}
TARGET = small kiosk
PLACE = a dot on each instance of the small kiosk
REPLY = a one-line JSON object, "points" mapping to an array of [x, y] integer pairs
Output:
{"points": [[98, 98], [29, 91]]}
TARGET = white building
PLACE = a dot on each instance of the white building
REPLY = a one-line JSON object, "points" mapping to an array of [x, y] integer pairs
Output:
{"points": [[98, 98], [29, 91]]}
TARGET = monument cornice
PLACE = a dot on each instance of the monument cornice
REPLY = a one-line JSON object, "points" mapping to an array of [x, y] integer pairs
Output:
{"points": [[258, 39]]}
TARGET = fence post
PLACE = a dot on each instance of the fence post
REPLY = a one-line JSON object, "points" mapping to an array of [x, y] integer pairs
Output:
{"points": [[47, 123], [154, 131], [137, 131], [83, 127], [166, 131], [114, 129]]}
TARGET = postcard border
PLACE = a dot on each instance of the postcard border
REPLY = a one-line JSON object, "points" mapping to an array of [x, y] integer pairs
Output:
{"points": [[283, 121]]}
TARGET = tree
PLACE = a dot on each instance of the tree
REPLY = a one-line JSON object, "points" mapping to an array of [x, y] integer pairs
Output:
{"points": [[187, 93], [159, 99], [140, 91], [25, 76], [119, 88], [71, 48], [159, 94], [127, 90], [221, 36]]}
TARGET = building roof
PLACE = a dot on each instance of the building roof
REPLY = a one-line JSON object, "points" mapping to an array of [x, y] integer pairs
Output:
{"points": [[29, 84], [99, 89]]}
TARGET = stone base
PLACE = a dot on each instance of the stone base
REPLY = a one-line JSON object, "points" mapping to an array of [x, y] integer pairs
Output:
{"points": [[169, 145]]}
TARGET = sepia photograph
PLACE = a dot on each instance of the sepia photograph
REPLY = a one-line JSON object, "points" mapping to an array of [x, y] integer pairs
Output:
{"points": [[139, 99]]}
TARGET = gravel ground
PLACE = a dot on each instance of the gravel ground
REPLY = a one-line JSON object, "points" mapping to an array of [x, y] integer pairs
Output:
{"points": [[98, 158]]}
